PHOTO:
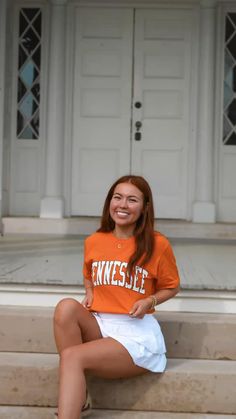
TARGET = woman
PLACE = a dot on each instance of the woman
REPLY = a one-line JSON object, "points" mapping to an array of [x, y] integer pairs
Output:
{"points": [[128, 269]]}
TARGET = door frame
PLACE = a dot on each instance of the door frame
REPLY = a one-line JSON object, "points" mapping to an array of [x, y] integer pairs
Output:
{"points": [[70, 43]]}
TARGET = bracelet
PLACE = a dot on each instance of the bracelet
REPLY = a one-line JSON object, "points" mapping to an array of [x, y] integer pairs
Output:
{"points": [[154, 301], [89, 286]]}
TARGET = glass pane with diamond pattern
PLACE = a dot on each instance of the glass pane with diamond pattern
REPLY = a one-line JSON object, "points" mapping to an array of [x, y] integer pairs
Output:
{"points": [[29, 63], [229, 117]]}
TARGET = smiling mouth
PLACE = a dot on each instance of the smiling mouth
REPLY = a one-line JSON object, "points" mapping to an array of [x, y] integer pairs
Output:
{"points": [[122, 213]]}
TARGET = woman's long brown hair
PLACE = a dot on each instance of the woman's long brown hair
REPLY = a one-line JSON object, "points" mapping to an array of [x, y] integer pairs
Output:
{"points": [[144, 230]]}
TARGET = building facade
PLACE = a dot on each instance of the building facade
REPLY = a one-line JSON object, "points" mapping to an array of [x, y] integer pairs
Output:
{"points": [[90, 91]]}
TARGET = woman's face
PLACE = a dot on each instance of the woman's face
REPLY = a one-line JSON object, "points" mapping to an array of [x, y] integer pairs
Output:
{"points": [[126, 205]]}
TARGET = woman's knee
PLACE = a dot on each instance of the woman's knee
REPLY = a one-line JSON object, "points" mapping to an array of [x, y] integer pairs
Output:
{"points": [[72, 356], [66, 311]]}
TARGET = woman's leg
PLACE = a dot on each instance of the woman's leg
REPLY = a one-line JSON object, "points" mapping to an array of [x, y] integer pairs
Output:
{"points": [[103, 357], [73, 324]]}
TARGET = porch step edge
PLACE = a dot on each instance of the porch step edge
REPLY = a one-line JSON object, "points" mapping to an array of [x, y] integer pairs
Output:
{"points": [[24, 412], [87, 225]]}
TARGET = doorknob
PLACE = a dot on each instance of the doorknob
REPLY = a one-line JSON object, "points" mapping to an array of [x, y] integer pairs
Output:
{"points": [[138, 125], [137, 135]]}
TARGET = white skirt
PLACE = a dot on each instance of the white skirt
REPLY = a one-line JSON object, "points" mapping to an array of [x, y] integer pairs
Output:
{"points": [[142, 338]]}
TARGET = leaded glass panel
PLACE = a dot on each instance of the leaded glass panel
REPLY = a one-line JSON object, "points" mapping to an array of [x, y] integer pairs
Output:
{"points": [[232, 139], [233, 18], [227, 127], [229, 122], [29, 64]]}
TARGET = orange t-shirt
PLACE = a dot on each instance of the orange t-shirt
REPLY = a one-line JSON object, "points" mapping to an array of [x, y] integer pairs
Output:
{"points": [[105, 265]]}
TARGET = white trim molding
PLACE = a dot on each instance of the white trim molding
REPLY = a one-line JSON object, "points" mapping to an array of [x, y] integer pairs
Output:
{"points": [[52, 204], [204, 207]]}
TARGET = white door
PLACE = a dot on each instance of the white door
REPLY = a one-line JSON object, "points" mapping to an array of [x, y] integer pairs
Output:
{"points": [[162, 62], [131, 66], [102, 102]]}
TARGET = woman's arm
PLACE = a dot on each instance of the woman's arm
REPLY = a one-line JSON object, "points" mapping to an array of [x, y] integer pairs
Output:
{"points": [[165, 294], [88, 299], [141, 307]]}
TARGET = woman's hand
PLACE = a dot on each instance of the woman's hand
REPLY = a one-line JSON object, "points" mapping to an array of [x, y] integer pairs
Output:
{"points": [[88, 299], [141, 307]]}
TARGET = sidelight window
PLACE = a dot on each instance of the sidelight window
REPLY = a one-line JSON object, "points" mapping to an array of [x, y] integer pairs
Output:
{"points": [[28, 84], [229, 122]]}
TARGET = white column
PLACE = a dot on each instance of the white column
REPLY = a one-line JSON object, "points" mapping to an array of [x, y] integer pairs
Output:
{"points": [[204, 207], [52, 205], [2, 83]]}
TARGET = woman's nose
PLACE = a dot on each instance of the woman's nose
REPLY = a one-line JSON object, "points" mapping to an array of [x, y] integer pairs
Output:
{"points": [[123, 203]]}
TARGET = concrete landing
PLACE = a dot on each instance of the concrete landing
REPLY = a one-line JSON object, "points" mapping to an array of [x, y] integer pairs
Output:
{"points": [[56, 260]]}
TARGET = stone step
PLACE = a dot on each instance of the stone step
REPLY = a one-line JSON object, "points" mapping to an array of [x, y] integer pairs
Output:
{"points": [[187, 335], [196, 386], [18, 412]]}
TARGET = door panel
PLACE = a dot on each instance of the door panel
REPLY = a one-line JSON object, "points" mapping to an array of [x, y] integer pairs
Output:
{"points": [[162, 62], [102, 98]]}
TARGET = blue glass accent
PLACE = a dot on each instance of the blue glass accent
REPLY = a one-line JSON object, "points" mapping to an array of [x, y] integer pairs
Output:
{"points": [[229, 62], [229, 78], [22, 57], [28, 106], [27, 134], [228, 95], [29, 73]]}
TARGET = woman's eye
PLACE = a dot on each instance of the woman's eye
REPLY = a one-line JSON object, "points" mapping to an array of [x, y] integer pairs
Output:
{"points": [[132, 200]]}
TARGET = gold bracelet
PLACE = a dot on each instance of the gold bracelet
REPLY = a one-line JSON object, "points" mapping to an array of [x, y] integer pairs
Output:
{"points": [[154, 301]]}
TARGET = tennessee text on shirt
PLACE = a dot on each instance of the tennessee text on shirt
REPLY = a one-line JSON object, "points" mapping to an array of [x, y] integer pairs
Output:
{"points": [[114, 272]]}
